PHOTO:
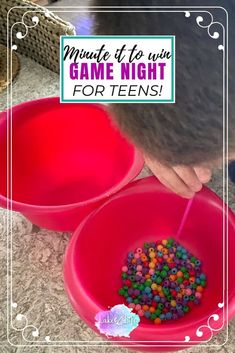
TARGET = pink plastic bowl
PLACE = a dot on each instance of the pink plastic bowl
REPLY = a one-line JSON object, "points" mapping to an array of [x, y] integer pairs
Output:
{"points": [[66, 160], [146, 211]]}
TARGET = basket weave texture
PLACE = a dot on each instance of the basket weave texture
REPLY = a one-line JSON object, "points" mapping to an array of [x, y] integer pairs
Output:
{"points": [[41, 40]]}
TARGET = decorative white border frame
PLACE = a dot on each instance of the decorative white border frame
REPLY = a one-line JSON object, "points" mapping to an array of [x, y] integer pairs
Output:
{"points": [[187, 10]]}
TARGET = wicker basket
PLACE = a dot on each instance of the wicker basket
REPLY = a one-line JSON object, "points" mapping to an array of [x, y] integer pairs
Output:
{"points": [[41, 41]]}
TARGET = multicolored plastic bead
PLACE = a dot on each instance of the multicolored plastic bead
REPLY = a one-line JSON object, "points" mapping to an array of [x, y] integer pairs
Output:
{"points": [[162, 281]]}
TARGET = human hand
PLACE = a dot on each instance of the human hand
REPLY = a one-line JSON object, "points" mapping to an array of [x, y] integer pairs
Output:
{"points": [[183, 180]]}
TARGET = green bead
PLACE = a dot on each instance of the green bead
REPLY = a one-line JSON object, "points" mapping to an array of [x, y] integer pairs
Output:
{"points": [[135, 285], [121, 291], [179, 279], [141, 287], [203, 283], [159, 280], [157, 273], [160, 306], [183, 269], [169, 297], [170, 240], [186, 275], [185, 308], [146, 245], [124, 275], [192, 297], [158, 312], [194, 285], [125, 287], [136, 301], [153, 316], [148, 283], [178, 254], [166, 268], [165, 290], [126, 295], [193, 259], [163, 274]]}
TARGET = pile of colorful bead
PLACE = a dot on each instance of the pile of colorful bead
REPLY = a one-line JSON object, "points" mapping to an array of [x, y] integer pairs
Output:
{"points": [[162, 281]]}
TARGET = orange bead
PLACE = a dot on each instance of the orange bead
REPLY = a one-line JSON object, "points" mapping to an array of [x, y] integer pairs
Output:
{"points": [[159, 247], [154, 260], [152, 309], [164, 241], [179, 274], [172, 277], [133, 261], [151, 265], [145, 307], [165, 251], [199, 289], [157, 321], [147, 276], [143, 258], [191, 279]]}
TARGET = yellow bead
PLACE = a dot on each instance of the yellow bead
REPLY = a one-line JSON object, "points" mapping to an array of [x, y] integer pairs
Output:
{"points": [[154, 286], [152, 254], [164, 242], [173, 303], [151, 265], [151, 249]]}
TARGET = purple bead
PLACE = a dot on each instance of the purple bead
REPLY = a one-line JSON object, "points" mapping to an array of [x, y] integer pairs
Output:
{"points": [[166, 283], [174, 316], [149, 301], [173, 284], [136, 292], [163, 300], [129, 272], [180, 313], [167, 305], [179, 301], [145, 271], [159, 266], [177, 261], [130, 291], [142, 280], [138, 278], [196, 301]]}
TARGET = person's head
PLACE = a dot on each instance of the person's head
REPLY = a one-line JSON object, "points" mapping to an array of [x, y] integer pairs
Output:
{"points": [[191, 131]]}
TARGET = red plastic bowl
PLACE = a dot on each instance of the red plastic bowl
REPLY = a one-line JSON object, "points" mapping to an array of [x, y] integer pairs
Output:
{"points": [[147, 211], [66, 160]]}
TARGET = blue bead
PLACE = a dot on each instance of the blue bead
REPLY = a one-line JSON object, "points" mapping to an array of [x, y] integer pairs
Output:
{"points": [[157, 298], [147, 290], [186, 297], [129, 299], [177, 289], [184, 257], [198, 281], [174, 271], [150, 295], [184, 250], [147, 314], [131, 255], [178, 306], [162, 316], [202, 276], [168, 315], [160, 254], [198, 263], [154, 277]]}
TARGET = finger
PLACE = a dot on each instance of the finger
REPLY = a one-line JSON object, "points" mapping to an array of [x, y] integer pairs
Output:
{"points": [[204, 174], [170, 179], [189, 177]]}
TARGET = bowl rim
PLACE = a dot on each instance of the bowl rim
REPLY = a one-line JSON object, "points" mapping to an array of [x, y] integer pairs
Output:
{"points": [[92, 302], [134, 170]]}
